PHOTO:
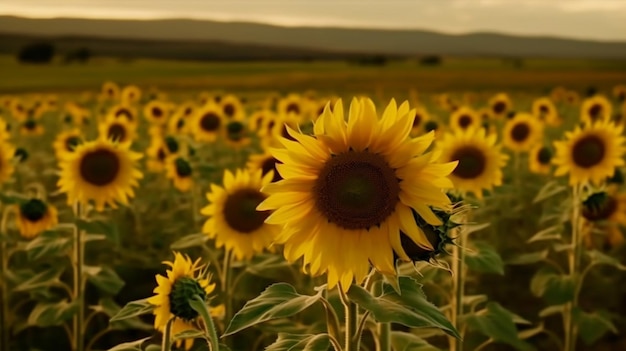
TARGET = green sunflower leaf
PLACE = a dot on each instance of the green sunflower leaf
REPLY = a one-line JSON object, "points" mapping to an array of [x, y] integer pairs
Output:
{"points": [[47, 278], [528, 258], [299, 342], [409, 308], [277, 301], [110, 308], [50, 314], [401, 341], [99, 227], [550, 189], [48, 244], [555, 288], [598, 257], [497, 323], [131, 346], [133, 309], [482, 257], [191, 240], [550, 233], [106, 280], [593, 326]]}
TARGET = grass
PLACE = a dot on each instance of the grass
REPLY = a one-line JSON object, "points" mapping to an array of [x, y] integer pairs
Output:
{"points": [[475, 74]]}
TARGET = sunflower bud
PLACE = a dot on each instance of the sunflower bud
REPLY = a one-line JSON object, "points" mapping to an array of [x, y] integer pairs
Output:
{"points": [[438, 236], [598, 206], [183, 290], [33, 210], [21, 154], [172, 144]]}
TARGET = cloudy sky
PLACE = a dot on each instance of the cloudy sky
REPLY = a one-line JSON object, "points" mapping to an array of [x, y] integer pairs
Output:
{"points": [[588, 19]]}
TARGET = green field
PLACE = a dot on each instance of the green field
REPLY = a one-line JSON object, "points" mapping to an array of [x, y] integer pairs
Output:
{"points": [[453, 75]]}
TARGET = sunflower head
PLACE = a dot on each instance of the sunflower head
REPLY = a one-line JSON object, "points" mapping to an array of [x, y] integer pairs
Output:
{"points": [[522, 132], [35, 216], [179, 170], [599, 206], [21, 154]]}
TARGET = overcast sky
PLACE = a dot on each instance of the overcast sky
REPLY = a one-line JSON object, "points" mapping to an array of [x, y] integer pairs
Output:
{"points": [[589, 19]]}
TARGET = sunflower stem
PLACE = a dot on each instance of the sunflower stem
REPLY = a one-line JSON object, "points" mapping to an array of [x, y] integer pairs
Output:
{"points": [[458, 266], [352, 322], [166, 343], [383, 329], [4, 295], [574, 260], [78, 291], [226, 281]]}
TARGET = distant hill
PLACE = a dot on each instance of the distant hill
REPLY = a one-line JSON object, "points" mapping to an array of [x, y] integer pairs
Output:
{"points": [[310, 40]]}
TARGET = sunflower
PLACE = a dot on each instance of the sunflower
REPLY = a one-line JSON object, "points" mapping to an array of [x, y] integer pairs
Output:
{"points": [[558, 94], [18, 111], [291, 105], [179, 170], [35, 216], [572, 97], [606, 209], [522, 132], [256, 121], [156, 112], [4, 130], [131, 94], [157, 153], [266, 163], [480, 160], [349, 190], [500, 105], [421, 117], [31, 127], [124, 111], [119, 130], [591, 153], [110, 91], [232, 107], [66, 142], [102, 171], [184, 280], [619, 92], [178, 123], [464, 117], [6, 164], [544, 109], [75, 114], [233, 220], [236, 134], [539, 159], [207, 123], [596, 108]]}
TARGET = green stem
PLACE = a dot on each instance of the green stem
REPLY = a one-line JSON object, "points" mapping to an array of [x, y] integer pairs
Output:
{"points": [[78, 263], [352, 316], [4, 295], [574, 260], [458, 257], [210, 329], [226, 281], [384, 336], [166, 343]]}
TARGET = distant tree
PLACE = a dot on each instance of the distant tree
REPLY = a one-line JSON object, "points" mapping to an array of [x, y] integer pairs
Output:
{"points": [[81, 55], [431, 60], [373, 60], [39, 53]]}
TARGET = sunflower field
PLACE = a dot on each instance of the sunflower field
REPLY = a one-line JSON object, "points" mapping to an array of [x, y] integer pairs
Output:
{"points": [[134, 218]]}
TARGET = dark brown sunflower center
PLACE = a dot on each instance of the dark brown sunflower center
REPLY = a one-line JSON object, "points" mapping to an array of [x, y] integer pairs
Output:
{"points": [[180, 123], [157, 112], [30, 124], [71, 143], [417, 120], [235, 128], [229, 110], [210, 122], [595, 112], [171, 143], [544, 156], [240, 210], [161, 154], [270, 165], [270, 126], [465, 121], [499, 107], [188, 111], [100, 167], [356, 190], [544, 110], [110, 92], [472, 162], [116, 132], [293, 108], [430, 126], [183, 168], [520, 132], [599, 206], [124, 112], [589, 151], [33, 210]]}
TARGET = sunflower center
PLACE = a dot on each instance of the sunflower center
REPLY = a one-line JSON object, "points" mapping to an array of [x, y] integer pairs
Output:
{"points": [[229, 110], [599, 206], [30, 124], [543, 109], [595, 111], [188, 111], [33, 210], [520, 132], [356, 190], [161, 154], [430, 126], [183, 290], [124, 112], [71, 143], [100, 167], [172, 144], [116, 132], [157, 112], [21, 154], [544, 156], [234, 127], [270, 165], [293, 108], [472, 162], [240, 210], [588, 151], [499, 107], [180, 123], [67, 119], [210, 122], [183, 168], [465, 121]]}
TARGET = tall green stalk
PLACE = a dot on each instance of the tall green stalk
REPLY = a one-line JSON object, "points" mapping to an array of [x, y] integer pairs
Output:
{"points": [[78, 259], [458, 265], [574, 260], [226, 282]]}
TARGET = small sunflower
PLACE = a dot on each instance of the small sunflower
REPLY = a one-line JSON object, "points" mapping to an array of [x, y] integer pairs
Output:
{"points": [[266, 163], [76, 115], [157, 154], [591, 153], [184, 280], [572, 97], [348, 190], [500, 105], [131, 94], [606, 205], [232, 107], [236, 134], [292, 105], [596, 108], [156, 112], [480, 160], [124, 111], [4, 130], [119, 130], [463, 118], [421, 117], [522, 132], [110, 91], [35, 216], [6, 164], [66, 142], [207, 123], [619, 92], [544, 109], [31, 127], [179, 170], [101, 171], [539, 159], [258, 118], [19, 112], [234, 221]]}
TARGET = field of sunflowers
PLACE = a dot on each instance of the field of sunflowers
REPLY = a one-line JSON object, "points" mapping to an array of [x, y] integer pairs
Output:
{"points": [[133, 219]]}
